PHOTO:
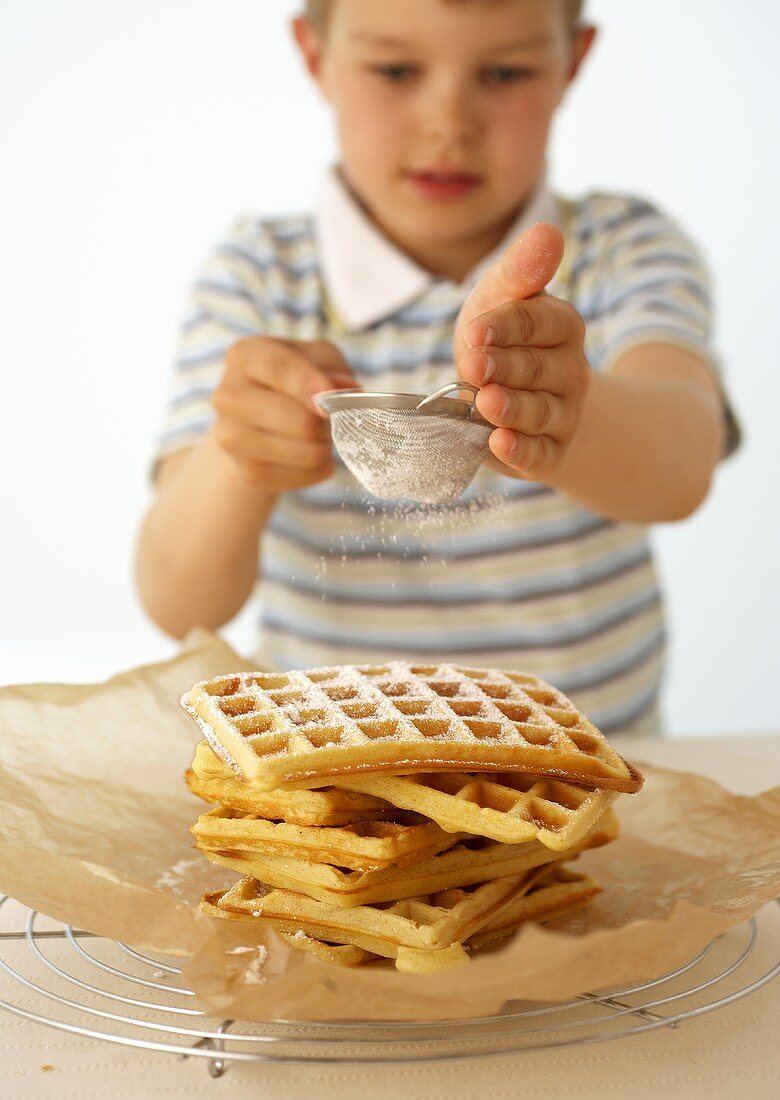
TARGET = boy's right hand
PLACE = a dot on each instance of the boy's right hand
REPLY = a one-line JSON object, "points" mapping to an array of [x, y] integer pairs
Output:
{"points": [[267, 420]]}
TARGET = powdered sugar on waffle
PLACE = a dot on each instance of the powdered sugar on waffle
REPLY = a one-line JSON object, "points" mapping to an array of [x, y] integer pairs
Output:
{"points": [[207, 730], [299, 703], [304, 726]]}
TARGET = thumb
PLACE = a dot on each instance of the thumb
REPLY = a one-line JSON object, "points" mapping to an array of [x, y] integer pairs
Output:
{"points": [[524, 270], [331, 361], [530, 262], [335, 371]]}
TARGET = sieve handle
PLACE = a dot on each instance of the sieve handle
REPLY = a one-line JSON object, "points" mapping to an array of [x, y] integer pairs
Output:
{"points": [[450, 388]]}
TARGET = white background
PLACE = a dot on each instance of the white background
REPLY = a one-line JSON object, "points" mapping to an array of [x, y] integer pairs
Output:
{"points": [[132, 133]]}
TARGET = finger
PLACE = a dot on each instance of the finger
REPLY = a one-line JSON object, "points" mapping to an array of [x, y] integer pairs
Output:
{"points": [[524, 270], [530, 262], [267, 410], [532, 456], [265, 448], [329, 358], [326, 356], [517, 367], [281, 366], [542, 322], [532, 412]]}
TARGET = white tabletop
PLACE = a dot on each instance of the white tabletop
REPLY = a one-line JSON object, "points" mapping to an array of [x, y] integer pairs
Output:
{"points": [[731, 1052]]}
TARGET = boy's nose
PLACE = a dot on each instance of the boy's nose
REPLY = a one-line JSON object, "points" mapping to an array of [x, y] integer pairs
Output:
{"points": [[448, 113]]}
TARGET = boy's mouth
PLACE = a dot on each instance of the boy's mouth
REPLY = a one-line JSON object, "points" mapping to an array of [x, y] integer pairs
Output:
{"points": [[444, 183]]}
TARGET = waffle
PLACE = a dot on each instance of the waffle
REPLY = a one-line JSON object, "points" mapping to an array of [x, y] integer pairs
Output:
{"points": [[365, 846], [471, 861], [509, 807], [422, 934], [214, 781], [553, 896], [558, 892], [338, 954], [306, 729]]}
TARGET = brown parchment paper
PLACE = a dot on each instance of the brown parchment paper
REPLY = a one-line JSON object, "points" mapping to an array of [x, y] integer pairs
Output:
{"points": [[94, 820]]}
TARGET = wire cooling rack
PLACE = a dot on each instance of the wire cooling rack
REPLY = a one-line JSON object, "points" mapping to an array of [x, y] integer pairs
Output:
{"points": [[103, 989]]}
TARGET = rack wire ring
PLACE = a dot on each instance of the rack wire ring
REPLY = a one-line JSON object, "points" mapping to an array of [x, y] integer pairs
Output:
{"points": [[374, 1041]]}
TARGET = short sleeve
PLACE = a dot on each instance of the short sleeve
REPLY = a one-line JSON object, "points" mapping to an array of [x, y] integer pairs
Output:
{"points": [[226, 303], [655, 288]]}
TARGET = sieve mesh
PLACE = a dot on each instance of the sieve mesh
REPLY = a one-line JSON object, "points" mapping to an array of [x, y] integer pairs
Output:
{"points": [[408, 446]]}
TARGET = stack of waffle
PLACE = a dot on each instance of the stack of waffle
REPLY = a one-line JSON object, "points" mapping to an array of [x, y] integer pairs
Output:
{"points": [[399, 811]]}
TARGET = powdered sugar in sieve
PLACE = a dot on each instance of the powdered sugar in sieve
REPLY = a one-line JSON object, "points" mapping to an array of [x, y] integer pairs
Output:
{"points": [[408, 446]]}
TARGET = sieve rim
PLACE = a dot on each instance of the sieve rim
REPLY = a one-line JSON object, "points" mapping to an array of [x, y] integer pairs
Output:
{"points": [[454, 407]]}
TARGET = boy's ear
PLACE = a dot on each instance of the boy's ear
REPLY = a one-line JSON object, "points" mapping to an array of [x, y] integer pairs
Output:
{"points": [[310, 46], [583, 41]]}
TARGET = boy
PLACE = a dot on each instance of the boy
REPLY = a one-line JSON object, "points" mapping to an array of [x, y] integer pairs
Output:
{"points": [[429, 257]]}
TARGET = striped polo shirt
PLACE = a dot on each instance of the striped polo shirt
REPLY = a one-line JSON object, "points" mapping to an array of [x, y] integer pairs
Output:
{"points": [[513, 574]]}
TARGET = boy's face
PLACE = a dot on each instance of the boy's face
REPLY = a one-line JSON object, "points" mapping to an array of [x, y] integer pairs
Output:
{"points": [[443, 110]]}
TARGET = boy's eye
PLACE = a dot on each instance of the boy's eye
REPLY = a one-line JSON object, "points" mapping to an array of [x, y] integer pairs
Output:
{"points": [[396, 74], [506, 74]]}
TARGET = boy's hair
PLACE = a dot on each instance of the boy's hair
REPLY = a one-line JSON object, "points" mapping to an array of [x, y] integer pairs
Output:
{"points": [[318, 11]]}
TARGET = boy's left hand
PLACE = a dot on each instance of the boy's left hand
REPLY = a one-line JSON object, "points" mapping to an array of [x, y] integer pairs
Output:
{"points": [[525, 350]]}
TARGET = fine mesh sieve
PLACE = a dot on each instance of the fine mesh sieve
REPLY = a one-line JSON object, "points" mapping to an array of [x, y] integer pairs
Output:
{"points": [[408, 446]]}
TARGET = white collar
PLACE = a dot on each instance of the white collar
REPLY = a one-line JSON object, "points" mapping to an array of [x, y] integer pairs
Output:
{"points": [[366, 276]]}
